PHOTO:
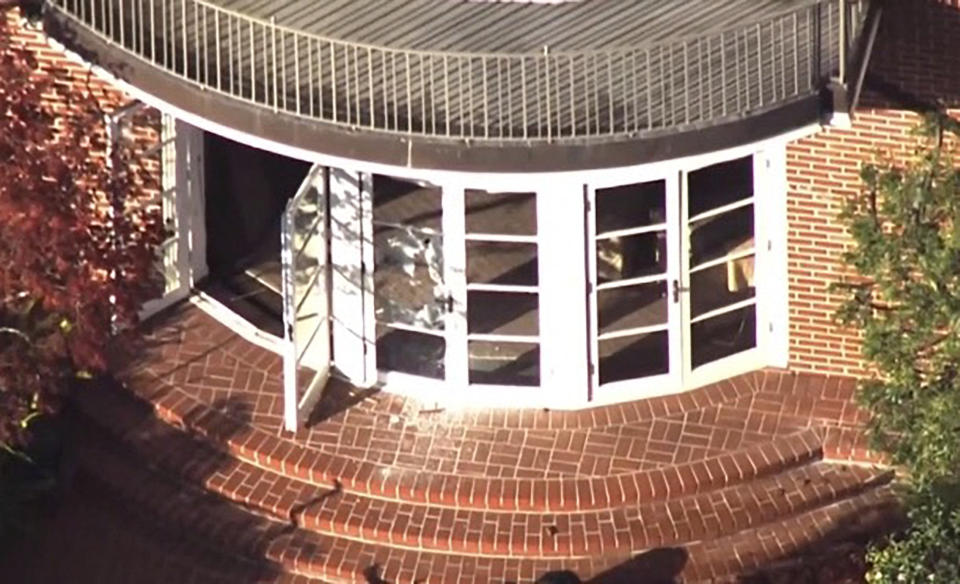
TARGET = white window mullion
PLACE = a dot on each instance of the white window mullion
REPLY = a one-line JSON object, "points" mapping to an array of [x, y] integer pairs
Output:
{"points": [[678, 265], [195, 210], [590, 269], [367, 262], [454, 225], [564, 362], [771, 277]]}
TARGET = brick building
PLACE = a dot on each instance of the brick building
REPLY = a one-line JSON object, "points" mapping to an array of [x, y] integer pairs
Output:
{"points": [[491, 292]]}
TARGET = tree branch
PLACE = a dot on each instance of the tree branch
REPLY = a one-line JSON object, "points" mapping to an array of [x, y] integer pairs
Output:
{"points": [[17, 333]]}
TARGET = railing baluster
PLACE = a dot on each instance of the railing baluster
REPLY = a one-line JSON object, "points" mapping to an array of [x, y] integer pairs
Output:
{"points": [[253, 65], [743, 85], [167, 35], [782, 58], [216, 34], [396, 101], [523, 95], [206, 49], [796, 54], [649, 85], [183, 27], [312, 69], [334, 95], [669, 87], [486, 100], [296, 72], [140, 21], [370, 88], [686, 84], [383, 93], [121, 24], [604, 92], [446, 89], [610, 127], [759, 64], [510, 126], [273, 52], [573, 96], [196, 41], [423, 92], [355, 93], [282, 89], [469, 118]]}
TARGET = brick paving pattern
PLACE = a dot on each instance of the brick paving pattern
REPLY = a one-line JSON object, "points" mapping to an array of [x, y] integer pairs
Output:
{"points": [[701, 486]]}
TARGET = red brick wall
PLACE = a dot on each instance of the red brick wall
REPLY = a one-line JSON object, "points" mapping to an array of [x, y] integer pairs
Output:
{"points": [[916, 64], [52, 61], [28, 36]]}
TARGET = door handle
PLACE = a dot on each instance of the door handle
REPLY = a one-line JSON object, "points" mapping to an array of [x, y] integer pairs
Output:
{"points": [[449, 303], [677, 289]]}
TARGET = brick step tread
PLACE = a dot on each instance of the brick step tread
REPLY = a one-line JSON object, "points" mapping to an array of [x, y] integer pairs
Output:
{"points": [[218, 524], [745, 553], [233, 530], [335, 512], [288, 458], [91, 539]]}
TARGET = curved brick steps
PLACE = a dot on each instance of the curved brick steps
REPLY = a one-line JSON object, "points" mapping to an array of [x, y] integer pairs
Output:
{"points": [[232, 529], [730, 558], [288, 458], [333, 511], [92, 540], [287, 509]]}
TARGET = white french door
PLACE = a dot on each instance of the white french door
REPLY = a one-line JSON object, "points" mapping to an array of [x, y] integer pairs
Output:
{"points": [[635, 289], [718, 271], [672, 279], [455, 285], [496, 260], [176, 160], [306, 297]]}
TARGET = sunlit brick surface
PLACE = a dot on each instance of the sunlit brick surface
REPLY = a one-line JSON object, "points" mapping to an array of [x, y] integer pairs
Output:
{"points": [[752, 465]]}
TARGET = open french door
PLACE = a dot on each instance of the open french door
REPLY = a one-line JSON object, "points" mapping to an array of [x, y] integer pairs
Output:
{"points": [[176, 160], [306, 297]]}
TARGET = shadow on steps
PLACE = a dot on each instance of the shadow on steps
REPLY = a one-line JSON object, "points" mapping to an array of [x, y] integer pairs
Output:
{"points": [[659, 566]]}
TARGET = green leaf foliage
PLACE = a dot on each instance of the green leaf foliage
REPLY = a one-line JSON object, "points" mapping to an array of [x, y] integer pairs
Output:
{"points": [[905, 299], [928, 552], [905, 227]]}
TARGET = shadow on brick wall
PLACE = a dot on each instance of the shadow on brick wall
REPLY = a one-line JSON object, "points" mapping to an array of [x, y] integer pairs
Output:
{"points": [[915, 64]]}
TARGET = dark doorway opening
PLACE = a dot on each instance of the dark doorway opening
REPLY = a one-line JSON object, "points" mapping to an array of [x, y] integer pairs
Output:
{"points": [[246, 190]]}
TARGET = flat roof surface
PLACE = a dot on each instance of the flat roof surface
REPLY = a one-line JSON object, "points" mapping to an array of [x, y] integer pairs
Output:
{"points": [[511, 27]]}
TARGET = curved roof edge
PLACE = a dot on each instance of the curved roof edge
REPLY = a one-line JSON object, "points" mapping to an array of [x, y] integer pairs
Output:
{"points": [[503, 102], [426, 153]]}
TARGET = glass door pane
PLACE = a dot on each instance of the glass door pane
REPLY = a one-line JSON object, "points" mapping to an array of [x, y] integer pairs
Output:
{"points": [[632, 275], [720, 228], [502, 280], [306, 298], [410, 296]]}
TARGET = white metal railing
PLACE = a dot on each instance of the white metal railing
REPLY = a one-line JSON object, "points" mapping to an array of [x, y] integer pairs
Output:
{"points": [[546, 96]]}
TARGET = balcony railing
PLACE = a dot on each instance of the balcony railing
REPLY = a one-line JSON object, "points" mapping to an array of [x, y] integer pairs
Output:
{"points": [[546, 96]]}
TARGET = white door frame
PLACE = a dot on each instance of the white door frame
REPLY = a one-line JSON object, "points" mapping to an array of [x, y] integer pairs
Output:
{"points": [[454, 222], [748, 359], [672, 381], [181, 171]]}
